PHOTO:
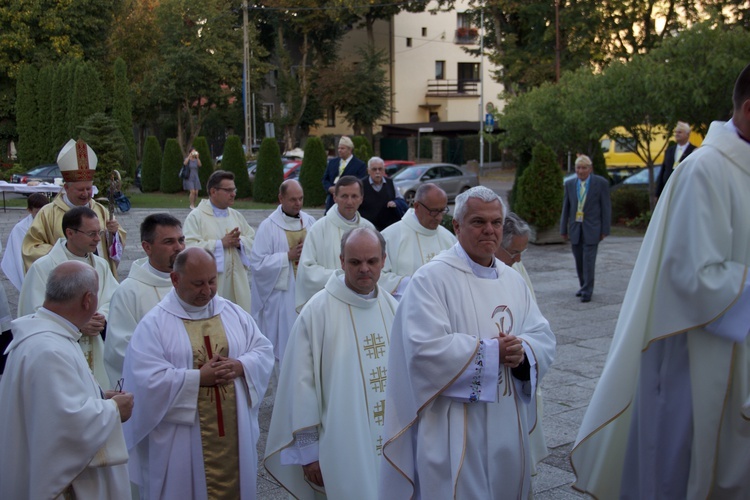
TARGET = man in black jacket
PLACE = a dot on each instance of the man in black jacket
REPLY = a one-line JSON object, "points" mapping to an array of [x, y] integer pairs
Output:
{"points": [[379, 201], [345, 164], [674, 155]]}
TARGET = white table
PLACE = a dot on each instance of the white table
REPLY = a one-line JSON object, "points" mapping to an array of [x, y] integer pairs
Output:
{"points": [[43, 187]]}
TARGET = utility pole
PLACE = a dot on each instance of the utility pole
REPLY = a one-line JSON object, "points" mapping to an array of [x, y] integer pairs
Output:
{"points": [[246, 104]]}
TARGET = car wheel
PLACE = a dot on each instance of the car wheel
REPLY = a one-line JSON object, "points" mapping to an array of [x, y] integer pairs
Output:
{"points": [[409, 197]]}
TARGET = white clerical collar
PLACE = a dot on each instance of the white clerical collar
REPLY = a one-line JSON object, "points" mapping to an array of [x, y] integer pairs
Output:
{"points": [[291, 223], [155, 271], [219, 212], [197, 312], [69, 203], [479, 270], [370, 295], [59, 318], [72, 256], [350, 222]]}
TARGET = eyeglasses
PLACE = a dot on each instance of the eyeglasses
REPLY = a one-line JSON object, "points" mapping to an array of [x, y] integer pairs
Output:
{"points": [[513, 255], [228, 190], [91, 234], [432, 211]]}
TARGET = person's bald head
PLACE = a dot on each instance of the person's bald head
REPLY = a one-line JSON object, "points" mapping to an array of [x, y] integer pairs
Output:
{"points": [[194, 276], [362, 259], [72, 292], [291, 197]]}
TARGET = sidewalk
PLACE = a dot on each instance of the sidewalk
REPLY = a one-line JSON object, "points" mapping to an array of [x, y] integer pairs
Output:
{"points": [[583, 334]]}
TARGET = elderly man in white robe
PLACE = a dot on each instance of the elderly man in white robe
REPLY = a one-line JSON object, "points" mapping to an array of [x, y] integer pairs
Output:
{"points": [[147, 284], [418, 237], [468, 349], [273, 265], [198, 367], [670, 415], [81, 228], [515, 242], [223, 231], [60, 437], [77, 163], [326, 431], [320, 256]]}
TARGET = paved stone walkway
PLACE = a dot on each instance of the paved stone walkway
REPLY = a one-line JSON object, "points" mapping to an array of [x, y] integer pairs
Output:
{"points": [[583, 334]]}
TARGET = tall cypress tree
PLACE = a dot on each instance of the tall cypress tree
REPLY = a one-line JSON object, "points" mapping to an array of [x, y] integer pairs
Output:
{"points": [[44, 87], [311, 172], [270, 173], [171, 164], [103, 135], [87, 98], [151, 167], [234, 161], [27, 116], [122, 112], [60, 95]]}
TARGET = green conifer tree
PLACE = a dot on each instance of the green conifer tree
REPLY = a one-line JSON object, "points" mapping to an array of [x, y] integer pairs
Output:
{"points": [[540, 189], [207, 165], [87, 97], [311, 172], [151, 166], [27, 116], [44, 86], [170, 167], [103, 135], [362, 148], [60, 93], [270, 173], [234, 161], [122, 112]]}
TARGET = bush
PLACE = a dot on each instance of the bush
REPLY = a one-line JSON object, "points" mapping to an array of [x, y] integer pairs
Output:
{"points": [[362, 148], [447, 223], [628, 203], [171, 163], [270, 174], [207, 164], [151, 167], [311, 172], [122, 112], [540, 189], [524, 158], [234, 161]]}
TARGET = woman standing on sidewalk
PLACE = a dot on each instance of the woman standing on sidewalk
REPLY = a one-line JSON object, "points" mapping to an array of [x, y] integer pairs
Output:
{"points": [[192, 183]]}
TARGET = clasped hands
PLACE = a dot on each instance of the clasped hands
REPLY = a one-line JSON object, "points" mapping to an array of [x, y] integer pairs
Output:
{"points": [[220, 370], [232, 239], [511, 350]]}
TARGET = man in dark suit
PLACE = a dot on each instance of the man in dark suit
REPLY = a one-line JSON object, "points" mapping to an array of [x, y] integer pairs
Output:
{"points": [[585, 220], [345, 164], [379, 200], [674, 155]]}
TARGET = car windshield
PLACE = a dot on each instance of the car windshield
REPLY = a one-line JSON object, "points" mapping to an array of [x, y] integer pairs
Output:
{"points": [[38, 171], [409, 174], [642, 176]]}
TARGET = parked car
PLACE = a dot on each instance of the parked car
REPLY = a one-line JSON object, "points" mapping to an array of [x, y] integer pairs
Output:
{"points": [[639, 180], [394, 166], [450, 178], [291, 168], [43, 173]]}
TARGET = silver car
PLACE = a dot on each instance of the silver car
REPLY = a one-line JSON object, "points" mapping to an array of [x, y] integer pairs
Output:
{"points": [[452, 179]]}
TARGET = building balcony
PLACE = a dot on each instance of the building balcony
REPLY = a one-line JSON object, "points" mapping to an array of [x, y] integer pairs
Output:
{"points": [[452, 88], [466, 36]]}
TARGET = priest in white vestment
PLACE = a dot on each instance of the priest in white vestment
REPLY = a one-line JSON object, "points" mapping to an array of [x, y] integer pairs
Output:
{"points": [[60, 437], [515, 242], [273, 265], [320, 256], [670, 415], [147, 284], [77, 163], [12, 263], [198, 367], [468, 350], [326, 431], [223, 231], [418, 237], [81, 228]]}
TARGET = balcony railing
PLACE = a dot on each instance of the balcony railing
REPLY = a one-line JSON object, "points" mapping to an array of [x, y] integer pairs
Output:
{"points": [[466, 36], [452, 88]]}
